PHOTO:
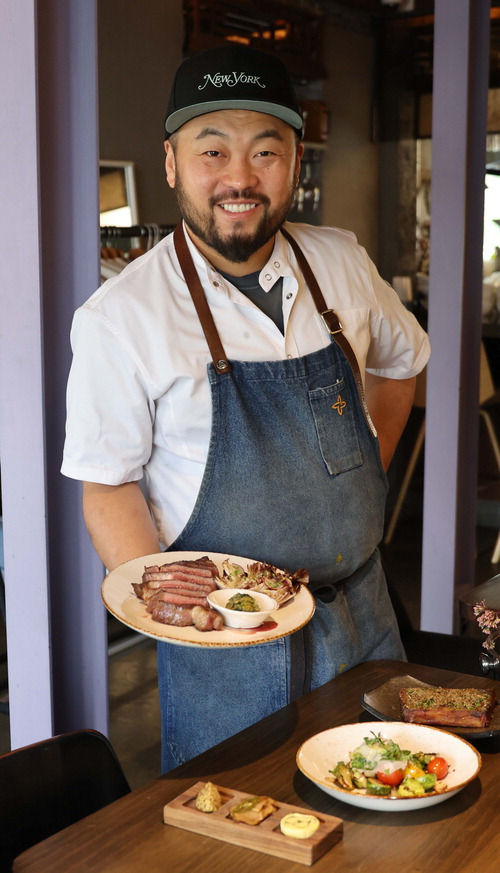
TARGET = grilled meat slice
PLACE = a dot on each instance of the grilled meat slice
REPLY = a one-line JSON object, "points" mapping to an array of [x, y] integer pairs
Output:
{"points": [[169, 613], [456, 707]]}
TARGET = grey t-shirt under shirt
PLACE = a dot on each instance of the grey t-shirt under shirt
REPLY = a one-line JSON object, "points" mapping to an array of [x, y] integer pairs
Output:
{"points": [[270, 302]]}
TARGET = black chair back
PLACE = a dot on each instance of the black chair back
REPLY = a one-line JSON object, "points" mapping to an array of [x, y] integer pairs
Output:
{"points": [[51, 784]]}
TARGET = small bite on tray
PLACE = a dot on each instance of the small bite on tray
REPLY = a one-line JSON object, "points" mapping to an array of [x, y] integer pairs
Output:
{"points": [[253, 810], [208, 798], [451, 707]]}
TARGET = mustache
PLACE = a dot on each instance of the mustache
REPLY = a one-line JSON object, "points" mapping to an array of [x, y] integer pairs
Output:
{"points": [[245, 194]]}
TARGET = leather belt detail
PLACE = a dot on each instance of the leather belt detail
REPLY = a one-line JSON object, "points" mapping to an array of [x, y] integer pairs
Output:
{"points": [[332, 322]]}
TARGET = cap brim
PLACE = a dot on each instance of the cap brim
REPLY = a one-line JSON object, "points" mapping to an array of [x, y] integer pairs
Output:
{"points": [[178, 118]]}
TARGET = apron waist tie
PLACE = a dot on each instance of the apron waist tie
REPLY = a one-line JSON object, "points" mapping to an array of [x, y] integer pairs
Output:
{"points": [[327, 591]]}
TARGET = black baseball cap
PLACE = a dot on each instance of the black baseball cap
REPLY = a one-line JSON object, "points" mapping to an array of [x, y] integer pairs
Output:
{"points": [[232, 77]]}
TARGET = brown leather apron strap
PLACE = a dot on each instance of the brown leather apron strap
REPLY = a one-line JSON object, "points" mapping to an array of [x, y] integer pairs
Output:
{"points": [[331, 322], [205, 316]]}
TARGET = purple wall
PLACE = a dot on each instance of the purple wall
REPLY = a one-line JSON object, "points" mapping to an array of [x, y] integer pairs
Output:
{"points": [[461, 64], [22, 425], [57, 648]]}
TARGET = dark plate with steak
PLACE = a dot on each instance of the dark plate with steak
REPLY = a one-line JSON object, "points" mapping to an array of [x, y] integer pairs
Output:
{"points": [[384, 703], [172, 586]]}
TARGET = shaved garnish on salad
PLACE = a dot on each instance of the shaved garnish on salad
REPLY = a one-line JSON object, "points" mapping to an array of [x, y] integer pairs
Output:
{"points": [[379, 766], [259, 576]]}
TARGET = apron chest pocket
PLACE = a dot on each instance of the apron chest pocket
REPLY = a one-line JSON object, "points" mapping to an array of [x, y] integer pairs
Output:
{"points": [[334, 417]]}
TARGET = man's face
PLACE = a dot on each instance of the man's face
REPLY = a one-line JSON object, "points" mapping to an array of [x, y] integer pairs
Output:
{"points": [[234, 173]]}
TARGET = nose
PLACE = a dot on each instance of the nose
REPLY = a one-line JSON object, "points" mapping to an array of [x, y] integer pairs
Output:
{"points": [[239, 173]]}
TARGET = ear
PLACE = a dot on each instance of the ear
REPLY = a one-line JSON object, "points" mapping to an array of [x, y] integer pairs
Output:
{"points": [[298, 158], [170, 163]]}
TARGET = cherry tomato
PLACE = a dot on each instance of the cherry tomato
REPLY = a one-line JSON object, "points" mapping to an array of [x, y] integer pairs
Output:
{"points": [[438, 766], [393, 778]]}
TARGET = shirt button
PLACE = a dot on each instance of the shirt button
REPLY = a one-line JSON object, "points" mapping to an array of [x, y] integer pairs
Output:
{"points": [[277, 264], [268, 277], [289, 295], [216, 284]]}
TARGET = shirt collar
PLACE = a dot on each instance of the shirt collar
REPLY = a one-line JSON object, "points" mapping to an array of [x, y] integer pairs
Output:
{"points": [[276, 267]]}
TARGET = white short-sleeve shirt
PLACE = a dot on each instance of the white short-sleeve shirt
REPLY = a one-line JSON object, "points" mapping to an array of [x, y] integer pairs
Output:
{"points": [[138, 400]]}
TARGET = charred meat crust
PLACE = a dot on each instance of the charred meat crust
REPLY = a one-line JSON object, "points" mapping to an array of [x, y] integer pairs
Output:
{"points": [[455, 707]]}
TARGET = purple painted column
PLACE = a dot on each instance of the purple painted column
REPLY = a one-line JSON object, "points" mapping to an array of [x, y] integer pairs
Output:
{"points": [[69, 216], [21, 384], [461, 52], [57, 647]]}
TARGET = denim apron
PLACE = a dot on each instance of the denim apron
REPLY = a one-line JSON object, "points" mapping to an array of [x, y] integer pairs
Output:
{"points": [[293, 477]]}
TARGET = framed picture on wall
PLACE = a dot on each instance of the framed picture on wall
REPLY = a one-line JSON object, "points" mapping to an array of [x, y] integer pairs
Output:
{"points": [[117, 194]]}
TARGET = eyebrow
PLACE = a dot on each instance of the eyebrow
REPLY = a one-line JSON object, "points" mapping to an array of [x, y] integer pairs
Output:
{"points": [[269, 133], [210, 131]]}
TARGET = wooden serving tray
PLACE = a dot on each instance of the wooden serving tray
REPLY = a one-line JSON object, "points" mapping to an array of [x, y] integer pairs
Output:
{"points": [[265, 837]]}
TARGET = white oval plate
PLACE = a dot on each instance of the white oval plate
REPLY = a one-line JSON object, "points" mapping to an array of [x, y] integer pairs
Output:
{"points": [[322, 752], [120, 600]]}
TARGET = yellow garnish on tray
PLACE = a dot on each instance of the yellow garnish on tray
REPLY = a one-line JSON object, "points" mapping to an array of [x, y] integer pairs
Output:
{"points": [[298, 825], [208, 798]]}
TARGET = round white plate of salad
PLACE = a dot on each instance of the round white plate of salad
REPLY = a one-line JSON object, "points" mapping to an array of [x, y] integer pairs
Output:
{"points": [[388, 768]]}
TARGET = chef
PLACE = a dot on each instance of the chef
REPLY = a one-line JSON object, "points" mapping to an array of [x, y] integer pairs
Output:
{"points": [[241, 389]]}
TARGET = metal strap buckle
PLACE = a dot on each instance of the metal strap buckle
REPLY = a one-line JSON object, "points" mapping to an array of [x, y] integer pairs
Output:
{"points": [[332, 321]]}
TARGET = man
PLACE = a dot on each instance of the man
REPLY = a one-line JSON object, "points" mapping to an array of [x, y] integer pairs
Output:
{"points": [[246, 418]]}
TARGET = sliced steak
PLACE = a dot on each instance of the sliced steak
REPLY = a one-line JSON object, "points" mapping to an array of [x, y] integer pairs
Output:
{"points": [[180, 599], [169, 613], [176, 593]]}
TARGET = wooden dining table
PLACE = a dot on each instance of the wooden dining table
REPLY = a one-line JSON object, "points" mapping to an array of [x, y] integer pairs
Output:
{"points": [[461, 833]]}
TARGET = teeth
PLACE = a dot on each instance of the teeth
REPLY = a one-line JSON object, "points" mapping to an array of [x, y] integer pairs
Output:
{"points": [[238, 207]]}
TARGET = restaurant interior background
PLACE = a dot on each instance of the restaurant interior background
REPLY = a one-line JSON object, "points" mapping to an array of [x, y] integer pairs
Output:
{"points": [[363, 71]]}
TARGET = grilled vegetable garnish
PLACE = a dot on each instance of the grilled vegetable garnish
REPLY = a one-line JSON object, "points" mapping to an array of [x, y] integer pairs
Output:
{"points": [[280, 584]]}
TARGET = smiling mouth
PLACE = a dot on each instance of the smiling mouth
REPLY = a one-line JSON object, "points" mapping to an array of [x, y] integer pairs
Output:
{"points": [[238, 207]]}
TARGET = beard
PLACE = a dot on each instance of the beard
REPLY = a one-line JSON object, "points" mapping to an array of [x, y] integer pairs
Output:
{"points": [[236, 246]]}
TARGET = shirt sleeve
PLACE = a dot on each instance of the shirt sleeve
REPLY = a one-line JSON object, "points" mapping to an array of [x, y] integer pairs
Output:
{"points": [[110, 410], [399, 347]]}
